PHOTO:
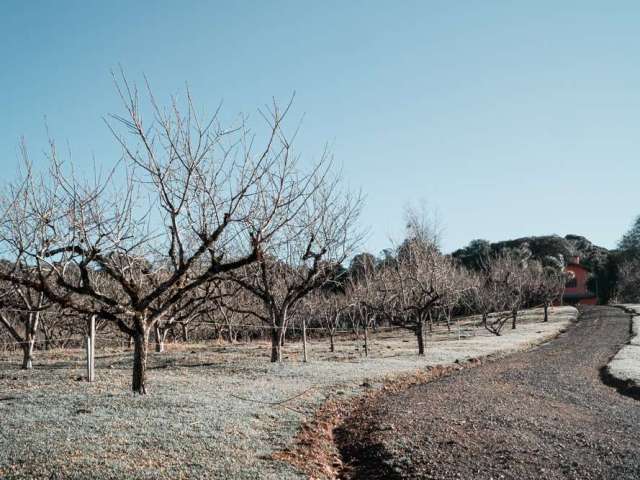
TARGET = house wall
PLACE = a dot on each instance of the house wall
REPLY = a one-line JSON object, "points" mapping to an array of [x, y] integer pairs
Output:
{"points": [[581, 275], [580, 288]]}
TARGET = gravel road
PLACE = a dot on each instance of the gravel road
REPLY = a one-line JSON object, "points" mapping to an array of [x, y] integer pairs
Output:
{"points": [[544, 413]]}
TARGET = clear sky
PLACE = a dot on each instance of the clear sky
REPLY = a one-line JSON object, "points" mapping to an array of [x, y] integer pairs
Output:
{"points": [[509, 118]]}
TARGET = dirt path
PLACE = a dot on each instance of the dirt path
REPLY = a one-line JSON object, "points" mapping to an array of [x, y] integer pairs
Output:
{"points": [[540, 414]]}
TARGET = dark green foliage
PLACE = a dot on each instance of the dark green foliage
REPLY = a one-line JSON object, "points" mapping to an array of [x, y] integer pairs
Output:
{"points": [[475, 255], [604, 278], [625, 263], [629, 245], [336, 280], [540, 247], [553, 248], [361, 264]]}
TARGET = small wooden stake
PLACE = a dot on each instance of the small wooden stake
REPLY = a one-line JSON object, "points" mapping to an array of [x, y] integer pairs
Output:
{"points": [[304, 340], [88, 358], [366, 340], [91, 349]]}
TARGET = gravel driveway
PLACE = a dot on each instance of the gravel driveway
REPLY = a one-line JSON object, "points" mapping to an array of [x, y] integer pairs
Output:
{"points": [[540, 414]]}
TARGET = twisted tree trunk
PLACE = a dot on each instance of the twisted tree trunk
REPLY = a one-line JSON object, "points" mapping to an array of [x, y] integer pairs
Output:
{"points": [[276, 344]]}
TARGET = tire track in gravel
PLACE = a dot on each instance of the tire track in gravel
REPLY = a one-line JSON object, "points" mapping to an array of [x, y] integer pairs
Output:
{"points": [[544, 413]]}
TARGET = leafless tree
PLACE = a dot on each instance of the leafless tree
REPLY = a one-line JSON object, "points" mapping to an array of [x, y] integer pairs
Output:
{"points": [[423, 280], [22, 308], [319, 230], [330, 307], [423, 223], [501, 288], [510, 269], [367, 299], [546, 282], [420, 280]]}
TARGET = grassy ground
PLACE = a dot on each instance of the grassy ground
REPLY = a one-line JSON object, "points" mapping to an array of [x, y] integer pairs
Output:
{"points": [[214, 411]]}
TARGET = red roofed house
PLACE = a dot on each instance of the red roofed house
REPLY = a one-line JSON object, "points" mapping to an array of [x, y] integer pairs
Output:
{"points": [[576, 291]]}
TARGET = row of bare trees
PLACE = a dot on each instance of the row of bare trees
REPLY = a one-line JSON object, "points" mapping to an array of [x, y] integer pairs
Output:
{"points": [[511, 281], [192, 204], [202, 224], [409, 290], [416, 284]]}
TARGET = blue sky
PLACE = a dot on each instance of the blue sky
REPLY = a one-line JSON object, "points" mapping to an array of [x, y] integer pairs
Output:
{"points": [[509, 118]]}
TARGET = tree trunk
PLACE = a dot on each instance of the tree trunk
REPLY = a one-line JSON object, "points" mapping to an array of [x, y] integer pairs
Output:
{"points": [[140, 339], [159, 334], [27, 354], [514, 316], [332, 347], [185, 333], [47, 338], [232, 337], [546, 312], [420, 336], [276, 345]]}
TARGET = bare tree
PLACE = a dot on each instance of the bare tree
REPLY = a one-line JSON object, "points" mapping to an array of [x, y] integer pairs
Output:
{"points": [[546, 282], [421, 280], [501, 289], [307, 251], [366, 299], [513, 269], [20, 305], [423, 224], [330, 307], [491, 295]]}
